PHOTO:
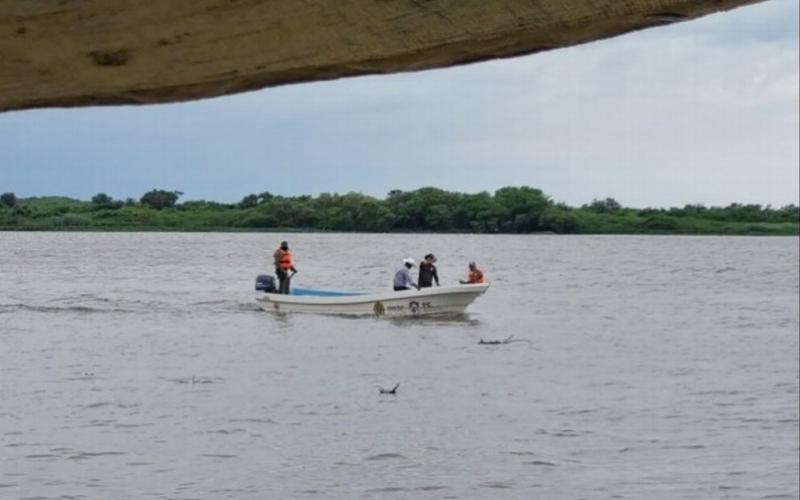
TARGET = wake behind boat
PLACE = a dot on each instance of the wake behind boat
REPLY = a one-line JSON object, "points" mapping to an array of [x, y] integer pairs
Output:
{"points": [[427, 301]]}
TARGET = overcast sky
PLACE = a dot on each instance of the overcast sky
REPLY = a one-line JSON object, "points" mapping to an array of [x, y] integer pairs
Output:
{"points": [[704, 111]]}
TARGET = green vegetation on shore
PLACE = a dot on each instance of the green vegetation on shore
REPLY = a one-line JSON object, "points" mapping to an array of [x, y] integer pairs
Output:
{"points": [[507, 210]]}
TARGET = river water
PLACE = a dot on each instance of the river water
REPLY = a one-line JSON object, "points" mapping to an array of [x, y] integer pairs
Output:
{"points": [[137, 366]]}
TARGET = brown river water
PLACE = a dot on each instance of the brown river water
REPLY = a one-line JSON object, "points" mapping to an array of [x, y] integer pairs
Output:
{"points": [[138, 366]]}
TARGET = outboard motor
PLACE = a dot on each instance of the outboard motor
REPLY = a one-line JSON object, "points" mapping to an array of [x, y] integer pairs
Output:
{"points": [[265, 283]]}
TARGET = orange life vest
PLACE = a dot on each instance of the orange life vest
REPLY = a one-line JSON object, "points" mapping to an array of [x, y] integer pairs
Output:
{"points": [[475, 276], [283, 259]]}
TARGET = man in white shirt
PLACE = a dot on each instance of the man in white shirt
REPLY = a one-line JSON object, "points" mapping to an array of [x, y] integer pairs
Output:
{"points": [[402, 278]]}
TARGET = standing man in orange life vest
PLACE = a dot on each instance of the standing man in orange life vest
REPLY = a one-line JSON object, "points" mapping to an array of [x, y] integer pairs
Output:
{"points": [[283, 264]]}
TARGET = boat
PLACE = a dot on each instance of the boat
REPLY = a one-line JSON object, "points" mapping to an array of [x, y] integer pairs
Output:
{"points": [[423, 302]]}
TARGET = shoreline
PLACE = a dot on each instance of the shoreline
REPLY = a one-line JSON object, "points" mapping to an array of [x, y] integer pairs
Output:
{"points": [[509, 210], [222, 230]]}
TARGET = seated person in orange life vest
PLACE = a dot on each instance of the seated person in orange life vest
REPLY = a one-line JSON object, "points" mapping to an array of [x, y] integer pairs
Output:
{"points": [[283, 264], [475, 275]]}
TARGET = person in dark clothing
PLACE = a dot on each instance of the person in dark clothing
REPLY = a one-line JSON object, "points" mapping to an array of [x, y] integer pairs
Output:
{"points": [[427, 272]]}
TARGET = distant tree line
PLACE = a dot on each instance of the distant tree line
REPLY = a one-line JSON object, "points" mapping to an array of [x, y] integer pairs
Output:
{"points": [[521, 209]]}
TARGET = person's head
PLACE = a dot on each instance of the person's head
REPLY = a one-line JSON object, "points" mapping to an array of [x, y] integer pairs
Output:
{"points": [[430, 258], [472, 266], [284, 245], [408, 262]]}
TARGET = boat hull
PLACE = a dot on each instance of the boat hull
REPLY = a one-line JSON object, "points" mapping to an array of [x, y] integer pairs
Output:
{"points": [[428, 301]]}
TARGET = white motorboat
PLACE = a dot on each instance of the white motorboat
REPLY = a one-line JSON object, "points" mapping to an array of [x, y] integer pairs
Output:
{"points": [[427, 301]]}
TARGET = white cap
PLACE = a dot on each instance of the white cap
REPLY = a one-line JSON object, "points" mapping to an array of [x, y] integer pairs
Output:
{"points": [[408, 260]]}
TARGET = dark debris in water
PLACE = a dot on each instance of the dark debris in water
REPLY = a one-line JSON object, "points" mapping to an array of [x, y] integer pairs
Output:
{"points": [[392, 391], [194, 380], [507, 340], [541, 462]]}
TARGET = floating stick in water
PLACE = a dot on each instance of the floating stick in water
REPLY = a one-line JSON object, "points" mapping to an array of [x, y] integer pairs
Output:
{"points": [[504, 341]]}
